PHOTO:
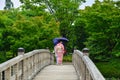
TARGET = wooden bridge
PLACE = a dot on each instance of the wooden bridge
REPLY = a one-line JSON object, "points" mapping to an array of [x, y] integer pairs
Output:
{"points": [[39, 65]]}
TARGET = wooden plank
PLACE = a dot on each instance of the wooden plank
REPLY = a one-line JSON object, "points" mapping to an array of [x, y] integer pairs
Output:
{"points": [[57, 72]]}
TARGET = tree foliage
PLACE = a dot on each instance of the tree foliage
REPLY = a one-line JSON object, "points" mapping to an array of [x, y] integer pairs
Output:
{"points": [[63, 11], [37, 22], [95, 27], [28, 30], [102, 27]]}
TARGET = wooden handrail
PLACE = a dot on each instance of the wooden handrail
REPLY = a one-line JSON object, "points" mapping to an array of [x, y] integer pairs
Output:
{"points": [[26, 66], [85, 68]]}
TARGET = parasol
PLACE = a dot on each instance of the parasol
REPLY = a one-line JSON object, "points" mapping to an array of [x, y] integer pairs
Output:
{"points": [[57, 40]]}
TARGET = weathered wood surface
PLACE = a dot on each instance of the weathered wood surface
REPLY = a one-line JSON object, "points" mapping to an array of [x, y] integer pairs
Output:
{"points": [[25, 66], [85, 68], [57, 72]]}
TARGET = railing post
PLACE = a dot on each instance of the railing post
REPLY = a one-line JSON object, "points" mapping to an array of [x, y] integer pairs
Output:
{"points": [[21, 51], [85, 51]]}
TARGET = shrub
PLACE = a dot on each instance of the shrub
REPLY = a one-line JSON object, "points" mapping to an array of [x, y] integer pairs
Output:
{"points": [[110, 69]]}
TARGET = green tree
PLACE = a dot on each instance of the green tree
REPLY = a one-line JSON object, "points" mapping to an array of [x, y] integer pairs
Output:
{"points": [[79, 32], [102, 27], [64, 12], [24, 30]]}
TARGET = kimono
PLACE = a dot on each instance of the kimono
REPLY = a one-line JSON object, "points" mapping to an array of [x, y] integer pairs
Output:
{"points": [[59, 51]]}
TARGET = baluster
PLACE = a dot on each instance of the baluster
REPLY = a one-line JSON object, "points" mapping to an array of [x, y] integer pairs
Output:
{"points": [[20, 66], [0, 76], [32, 65], [86, 53], [12, 72], [40, 60], [16, 71], [21, 51], [42, 56], [28, 68], [37, 61], [34, 62], [3, 75], [7, 74], [52, 58], [44, 59], [88, 76], [25, 69]]}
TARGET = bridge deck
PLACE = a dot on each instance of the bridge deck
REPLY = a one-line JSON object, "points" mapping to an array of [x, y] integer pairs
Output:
{"points": [[57, 72]]}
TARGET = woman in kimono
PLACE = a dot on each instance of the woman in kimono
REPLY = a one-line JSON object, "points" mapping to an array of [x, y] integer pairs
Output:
{"points": [[59, 51]]}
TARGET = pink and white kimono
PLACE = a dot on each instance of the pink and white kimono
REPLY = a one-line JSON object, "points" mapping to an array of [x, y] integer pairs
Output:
{"points": [[59, 51]]}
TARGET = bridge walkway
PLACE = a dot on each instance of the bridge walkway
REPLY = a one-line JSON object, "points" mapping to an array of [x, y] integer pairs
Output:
{"points": [[39, 65], [57, 72]]}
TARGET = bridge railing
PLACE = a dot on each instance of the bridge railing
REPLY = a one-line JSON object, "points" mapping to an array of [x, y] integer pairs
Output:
{"points": [[25, 66], [85, 68]]}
